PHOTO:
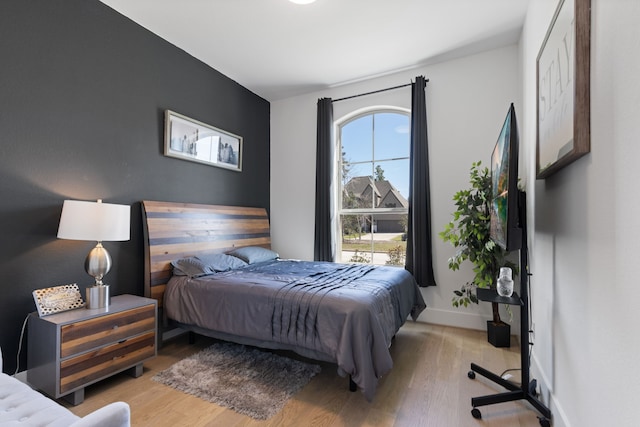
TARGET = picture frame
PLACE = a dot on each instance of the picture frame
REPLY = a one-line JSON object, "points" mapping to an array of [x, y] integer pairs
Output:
{"points": [[189, 139], [57, 299], [562, 89]]}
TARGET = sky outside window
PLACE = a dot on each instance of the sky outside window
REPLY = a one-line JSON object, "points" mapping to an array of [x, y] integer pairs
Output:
{"points": [[388, 139]]}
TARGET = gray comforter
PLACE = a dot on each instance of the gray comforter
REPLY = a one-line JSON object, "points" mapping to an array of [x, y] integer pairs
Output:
{"points": [[343, 313]]}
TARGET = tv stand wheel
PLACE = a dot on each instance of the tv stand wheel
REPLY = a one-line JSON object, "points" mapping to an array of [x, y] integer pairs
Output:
{"points": [[475, 413], [544, 422], [471, 375]]}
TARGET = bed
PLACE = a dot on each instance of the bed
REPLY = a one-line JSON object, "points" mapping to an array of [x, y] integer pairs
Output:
{"points": [[345, 314]]}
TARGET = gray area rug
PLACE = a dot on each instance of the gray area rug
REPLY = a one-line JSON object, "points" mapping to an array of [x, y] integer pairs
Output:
{"points": [[252, 382]]}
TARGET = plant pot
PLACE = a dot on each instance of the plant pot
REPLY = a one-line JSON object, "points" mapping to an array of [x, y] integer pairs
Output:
{"points": [[499, 334]]}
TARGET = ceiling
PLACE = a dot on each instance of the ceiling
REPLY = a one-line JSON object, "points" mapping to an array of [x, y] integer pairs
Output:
{"points": [[278, 49]]}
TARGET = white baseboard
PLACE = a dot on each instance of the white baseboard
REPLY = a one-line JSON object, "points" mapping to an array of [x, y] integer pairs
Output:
{"points": [[467, 319], [458, 319], [559, 416], [547, 395]]}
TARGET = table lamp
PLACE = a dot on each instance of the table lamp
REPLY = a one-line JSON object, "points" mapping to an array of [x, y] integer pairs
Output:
{"points": [[99, 222]]}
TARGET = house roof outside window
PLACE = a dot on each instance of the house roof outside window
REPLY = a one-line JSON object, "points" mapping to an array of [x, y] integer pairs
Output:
{"points": [[386, 195]]}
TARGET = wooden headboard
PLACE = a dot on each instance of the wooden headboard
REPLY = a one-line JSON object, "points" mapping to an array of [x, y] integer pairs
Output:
{"points": [[177, 230]]}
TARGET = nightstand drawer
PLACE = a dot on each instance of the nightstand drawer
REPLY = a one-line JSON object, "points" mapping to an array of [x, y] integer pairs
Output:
{"points": [[90, 366], [88, 334]]}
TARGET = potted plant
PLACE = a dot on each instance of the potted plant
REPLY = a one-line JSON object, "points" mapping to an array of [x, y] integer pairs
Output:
{"points": [[468, 232]]}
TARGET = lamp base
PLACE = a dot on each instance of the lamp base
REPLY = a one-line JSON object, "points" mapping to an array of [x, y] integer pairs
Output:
{"points": [[98, 297]]}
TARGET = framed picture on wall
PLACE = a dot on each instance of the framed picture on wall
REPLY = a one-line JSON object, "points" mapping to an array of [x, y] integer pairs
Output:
{"points": [[189, 139], [563, 96]]}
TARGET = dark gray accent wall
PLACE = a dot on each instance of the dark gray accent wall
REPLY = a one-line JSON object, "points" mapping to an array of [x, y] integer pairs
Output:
{"points": [[83, 92]]}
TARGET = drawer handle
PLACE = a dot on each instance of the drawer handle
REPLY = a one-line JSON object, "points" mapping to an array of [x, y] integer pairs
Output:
{"points": [[115, 327]]}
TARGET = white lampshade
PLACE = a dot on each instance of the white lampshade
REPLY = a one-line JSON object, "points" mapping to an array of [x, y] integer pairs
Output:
{"points": [[94, 221]]}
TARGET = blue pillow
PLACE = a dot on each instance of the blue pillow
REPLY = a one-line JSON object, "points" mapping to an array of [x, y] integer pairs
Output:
{"points": [[222, 262], [253, 254], [203, 265], [191, 266]]}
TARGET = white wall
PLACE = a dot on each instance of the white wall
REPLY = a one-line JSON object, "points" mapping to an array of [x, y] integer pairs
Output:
{"points": [[586, 232], [467, 101]]}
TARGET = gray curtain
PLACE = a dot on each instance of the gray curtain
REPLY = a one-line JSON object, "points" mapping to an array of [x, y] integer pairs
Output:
{"points": [[323, 249], [419, 249]]}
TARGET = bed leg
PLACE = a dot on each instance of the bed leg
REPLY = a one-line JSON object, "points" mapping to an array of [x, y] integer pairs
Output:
{"points": [[352, 385], [192, 337]]}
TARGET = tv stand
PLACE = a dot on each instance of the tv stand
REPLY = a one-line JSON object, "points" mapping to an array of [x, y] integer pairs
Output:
{"points": [[526, 389]]}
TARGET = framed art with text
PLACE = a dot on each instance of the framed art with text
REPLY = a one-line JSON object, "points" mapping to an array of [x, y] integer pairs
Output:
{"points": [[189, 139], [563, 95], [57, 299]]}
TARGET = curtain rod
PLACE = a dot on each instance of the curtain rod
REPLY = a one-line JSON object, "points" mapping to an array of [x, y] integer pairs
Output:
{"points": [[375, 91]]}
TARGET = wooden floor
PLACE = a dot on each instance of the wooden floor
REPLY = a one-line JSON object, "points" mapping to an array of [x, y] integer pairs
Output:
{"points": [[428, 386]]}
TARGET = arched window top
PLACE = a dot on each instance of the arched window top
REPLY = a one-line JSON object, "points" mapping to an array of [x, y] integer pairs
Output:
{"points": [[361, 112]]}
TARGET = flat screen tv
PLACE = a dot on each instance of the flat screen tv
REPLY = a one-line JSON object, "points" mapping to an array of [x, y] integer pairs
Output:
{"points": [[505, 223]]}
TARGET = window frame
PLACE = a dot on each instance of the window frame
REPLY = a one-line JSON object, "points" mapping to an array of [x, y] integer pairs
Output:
{"points": [[338, 198]]}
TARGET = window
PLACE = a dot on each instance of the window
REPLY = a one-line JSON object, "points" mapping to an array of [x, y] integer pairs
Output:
{"points": [[374, 187]]}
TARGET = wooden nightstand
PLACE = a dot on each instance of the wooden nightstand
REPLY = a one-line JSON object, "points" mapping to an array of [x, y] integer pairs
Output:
{"points": [[70, 350]]}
